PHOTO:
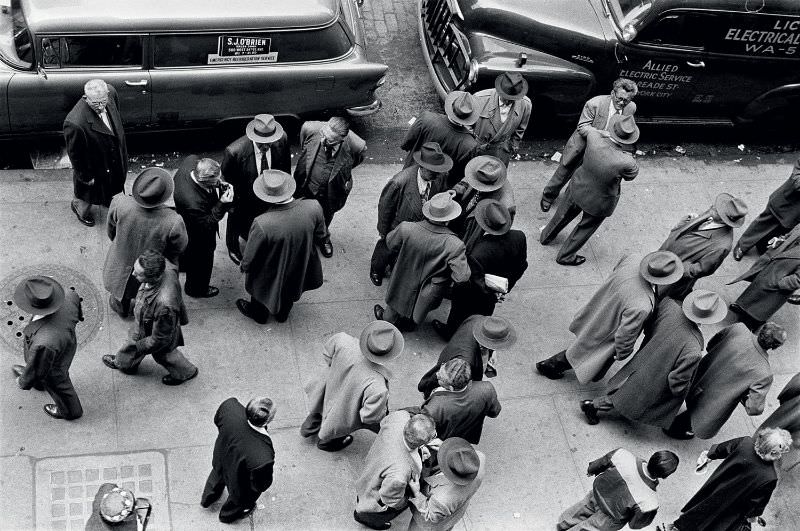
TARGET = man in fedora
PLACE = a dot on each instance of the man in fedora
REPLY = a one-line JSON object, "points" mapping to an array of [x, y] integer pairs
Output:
{"points": [[429, 256], [280, 260], [477, 341], [664, 365], [496, 249], [159, 312], [596, 115], [703, 242], [735, 370], [202, 200], [117, 509], [504, 114], [452, 131], [595, 188], [485, 177], [136, 223], [402, 199], [607, 327], [354, 393], [264, 146], [96, 147], [49, 343], [329, 152], [440, 500]]}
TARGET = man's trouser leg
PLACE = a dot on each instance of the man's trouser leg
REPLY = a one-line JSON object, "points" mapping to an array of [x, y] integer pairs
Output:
{"points": [[759, 232], [566, 212], [587, 226], [127, 358], [64, 396], [603, 403], [213, 489], [198, 262], [176, 363], [233, 510], [124, 306], [232, 233], [682, 423], [84, 208], [587, 516], [558, 362], [557, 182], [258, 311], [312, 424], [377, 520], [467, 300]]}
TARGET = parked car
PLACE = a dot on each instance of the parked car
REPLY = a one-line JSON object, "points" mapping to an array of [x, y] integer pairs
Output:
{"points": [[695, 61], [183, 63]]}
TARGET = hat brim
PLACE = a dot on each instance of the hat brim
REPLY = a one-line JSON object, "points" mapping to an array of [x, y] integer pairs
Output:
{"points": [[453, 444], [493, 344], [688, 310], [399, 343], [451, 115], [506, 95], [261, 139], [627, 141], [470, 179], [169, 188], [447, 166], [23, 304], [718, 201], [660, 281], [453, 214], [480, 219], [261, 192]]}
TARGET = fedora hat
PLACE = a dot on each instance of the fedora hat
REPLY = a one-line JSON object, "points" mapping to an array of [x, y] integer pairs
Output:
{"points": [[264, 129], [704, 307], [511, 85], [431, 157], [458, 460], [381, 341], [274, 186], [461, 108], [494, 333], [116, 505], [731, 210], [623, 128], [441, 207], [152, 187], [39, 295], [493, 216], [661, 268], [485, 173]]}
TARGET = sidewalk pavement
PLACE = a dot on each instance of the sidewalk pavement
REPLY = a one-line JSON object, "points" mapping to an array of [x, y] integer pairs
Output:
{"points": [[159, 439]]}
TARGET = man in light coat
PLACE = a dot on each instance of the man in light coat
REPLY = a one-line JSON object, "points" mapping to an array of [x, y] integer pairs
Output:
{"points": [[354, 393], [391, 465], [607, 327], [137, 223], [504, 114]]}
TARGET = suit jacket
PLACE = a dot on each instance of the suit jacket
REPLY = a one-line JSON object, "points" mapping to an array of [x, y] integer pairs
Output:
{"points": [[774, 277], [498, 138], [96, 153], [132, 230], [200, 209], [461, 413], [504, 255], [593, 116], [787, 416], [50, 344], [353, 393], [401, 201], [784, 203], [242, 456], [595, 187], [461, 345], [159, 313]]}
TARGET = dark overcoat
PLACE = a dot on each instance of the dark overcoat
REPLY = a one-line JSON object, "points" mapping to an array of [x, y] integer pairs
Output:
{"points": [[787, 416], [200, 209], [401, 201], [784, 203], [594, 115], [280, 260], [96, 153], [664, 365], [497, 138], [461, 345], [773, 279], [159, 317]]}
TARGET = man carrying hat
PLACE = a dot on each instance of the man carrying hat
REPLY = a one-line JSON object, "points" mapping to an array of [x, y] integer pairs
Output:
{"points": [[607, 327], [50, 343], [280, 260], [452, 131], [484, 178], [595, 188], [440, 500], [504, 114], [136, 223], [354, 393], [703, 242], [264, 146], [429, 256], [402, 199], [664, 365]]}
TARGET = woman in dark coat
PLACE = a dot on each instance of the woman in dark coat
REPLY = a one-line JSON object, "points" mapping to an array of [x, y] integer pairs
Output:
{"points": [[787, 416]]}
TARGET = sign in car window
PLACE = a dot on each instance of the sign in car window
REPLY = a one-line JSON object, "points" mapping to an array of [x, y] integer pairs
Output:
{"points": [[243, 49], [758, 35]]}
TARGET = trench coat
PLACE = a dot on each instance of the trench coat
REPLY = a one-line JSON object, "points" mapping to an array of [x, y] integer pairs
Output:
{"points": [[735, 370], [132, 230], [594, 115], [401, 201], [429, 256], [353, 394], [664, 365], [96, 153], [787, 416], [784, 203], [497, 138], [461, 413], [610, 323], [461, 345], [280, 260]]}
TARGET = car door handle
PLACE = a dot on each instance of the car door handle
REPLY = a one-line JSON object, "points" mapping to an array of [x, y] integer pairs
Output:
{"points": [[140, 83], [698, 64]]}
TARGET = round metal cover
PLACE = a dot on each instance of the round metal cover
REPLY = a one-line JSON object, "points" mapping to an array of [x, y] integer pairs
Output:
{"points": [[13, 320]]}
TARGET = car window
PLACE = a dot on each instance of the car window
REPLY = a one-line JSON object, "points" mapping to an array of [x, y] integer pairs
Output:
{"points": [[677, 29], [15, 40], [89, 51]]}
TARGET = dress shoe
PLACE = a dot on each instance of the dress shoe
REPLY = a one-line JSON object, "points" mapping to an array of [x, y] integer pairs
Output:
{"points": [[236, 258], [169, 380], [794, 299], [211, 291], [52, 410], [335, 446], [18, 370], [110, 362], [737, 253], [89, 222], [326, 248], [378, 311], [442, 330], [375, 278], [578, 260], [490, 371], [545, 204], [371, 525], [244, 307], [590, 411], [681, 435], [547, 370]]}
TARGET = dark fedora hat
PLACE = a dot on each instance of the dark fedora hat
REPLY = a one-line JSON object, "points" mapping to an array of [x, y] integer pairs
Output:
{"points": [[493, 216], [704, 307], [485, 173], [458, 460], [153, 187], [274, 186], [39, 295], [442, 207], [661, 268], [731, 210], [461, 108], [623, 128], [494, 333], [263, 129], [431, 157], [511, 85], [381, 341]]}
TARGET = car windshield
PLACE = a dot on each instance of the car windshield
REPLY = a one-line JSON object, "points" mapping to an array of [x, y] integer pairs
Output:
{"points": [[16, 47], [626, 11]]}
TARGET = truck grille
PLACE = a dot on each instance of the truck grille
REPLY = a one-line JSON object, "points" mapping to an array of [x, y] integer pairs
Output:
{"points": [[445, 45]]}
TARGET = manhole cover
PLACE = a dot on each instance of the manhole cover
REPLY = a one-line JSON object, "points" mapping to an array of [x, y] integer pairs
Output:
{"points": [[13, 320]]}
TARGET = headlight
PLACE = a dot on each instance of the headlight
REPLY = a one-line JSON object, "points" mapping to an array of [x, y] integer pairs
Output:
{"points": [[628, 33], [473, 71]]}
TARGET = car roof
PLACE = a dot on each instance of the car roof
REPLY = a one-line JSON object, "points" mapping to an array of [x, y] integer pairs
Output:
{"points": [[126, 16]]}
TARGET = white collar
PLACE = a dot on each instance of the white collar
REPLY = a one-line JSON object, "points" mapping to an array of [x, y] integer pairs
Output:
{"points": [[259, 429]]}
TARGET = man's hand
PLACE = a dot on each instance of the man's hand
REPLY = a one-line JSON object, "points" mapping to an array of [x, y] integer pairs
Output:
{"points": [[775, 242], [227, 195]]}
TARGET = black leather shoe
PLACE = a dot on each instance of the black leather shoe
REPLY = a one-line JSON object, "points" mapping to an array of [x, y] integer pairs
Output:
{"points": [[244, 307], [545, 204], [680, 435], [375, 278], [590, 412], [578, 260], [89, 222], [236, 258], [326, 248], [548, 371], [441, 329], [52, 410], [378, 311], [110, 362], [335, 446], [169, 380], [212, 291], [737, 253], [371, 525]]}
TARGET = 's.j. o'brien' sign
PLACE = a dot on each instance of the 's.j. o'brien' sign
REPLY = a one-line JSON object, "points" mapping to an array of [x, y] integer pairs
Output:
{"points": [[243, 49]]}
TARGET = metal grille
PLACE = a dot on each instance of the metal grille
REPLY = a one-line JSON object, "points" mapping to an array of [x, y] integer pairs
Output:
{"points": [[445, 44]]}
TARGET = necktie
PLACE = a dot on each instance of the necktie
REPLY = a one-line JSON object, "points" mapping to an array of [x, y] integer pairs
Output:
{"points": [[473, 201], [106, 120], [427, 192], [264, 163], [328, 151]]}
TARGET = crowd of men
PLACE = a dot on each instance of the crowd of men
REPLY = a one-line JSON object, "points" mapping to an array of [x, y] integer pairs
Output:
{"points": [[444, 231]]}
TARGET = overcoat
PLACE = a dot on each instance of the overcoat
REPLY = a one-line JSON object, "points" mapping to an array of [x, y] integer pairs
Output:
{"points": [[787, 416], [353, 393], [594, 115], [739, 488], [784, 203], [664, 365], [461, 413], [159, 316], [132, 230], [773, 278], [735, 370], [428, 257], [96, 153], [280, 260], [611, 321], [200, 209], [401, 201], [497, 138], [461, 345]]}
